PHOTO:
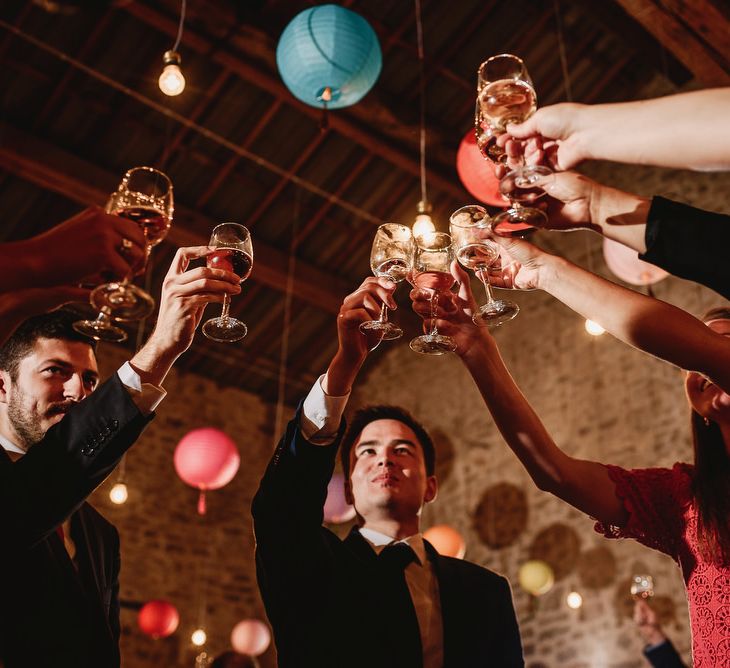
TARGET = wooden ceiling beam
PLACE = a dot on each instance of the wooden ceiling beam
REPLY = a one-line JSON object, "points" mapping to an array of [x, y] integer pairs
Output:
{"points": [[689, 34], [53, 169], [352, 123]]}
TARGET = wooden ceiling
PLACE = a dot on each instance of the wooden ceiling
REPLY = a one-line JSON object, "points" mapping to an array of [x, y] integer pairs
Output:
{"points": [[80, 105]]}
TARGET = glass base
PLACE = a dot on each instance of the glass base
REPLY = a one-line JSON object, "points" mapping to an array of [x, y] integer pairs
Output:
{"points": [[123, 301], [224, 330], [518, 222], [389, 330], [495, 313], [433, 344], [100, 330]]}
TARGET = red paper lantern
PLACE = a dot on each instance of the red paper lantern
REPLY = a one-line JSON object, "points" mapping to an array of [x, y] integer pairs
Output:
{"points": [[624, 262], [477, 174], [250, 637], [158, 619], [336, 508], [446, 540], [206, 459]]}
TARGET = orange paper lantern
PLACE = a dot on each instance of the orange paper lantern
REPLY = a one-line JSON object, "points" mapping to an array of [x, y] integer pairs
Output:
{"points": [[447, 541]]}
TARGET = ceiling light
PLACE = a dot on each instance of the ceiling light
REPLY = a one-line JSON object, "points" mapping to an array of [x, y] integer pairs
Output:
{"points": [[594, 328], [172, 81], [119, 494]]}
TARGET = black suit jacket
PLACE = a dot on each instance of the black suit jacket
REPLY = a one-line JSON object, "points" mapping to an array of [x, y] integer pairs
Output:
{"points": [[50, 613], [664, 656], [323, 597]]}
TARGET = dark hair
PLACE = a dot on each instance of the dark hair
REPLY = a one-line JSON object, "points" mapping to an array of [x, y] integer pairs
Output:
{"points": [[365, 416], [54, 325], [711, 491]]}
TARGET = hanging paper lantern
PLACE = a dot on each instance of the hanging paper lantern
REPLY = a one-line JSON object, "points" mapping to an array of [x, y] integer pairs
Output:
{"points": [[336, 508], [447, 541], [536, 577], [329, 53], [206, 459], [624, 262], [250, 637], [158, 619], [477, 174]]}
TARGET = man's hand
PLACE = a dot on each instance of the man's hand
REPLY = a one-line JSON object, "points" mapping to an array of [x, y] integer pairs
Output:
{"points": [[90, 248], [185, 294], [647, 623]]}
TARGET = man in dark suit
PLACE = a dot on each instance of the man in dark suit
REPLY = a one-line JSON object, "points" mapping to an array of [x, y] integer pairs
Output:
{"points": [[60, 437], [383, 597]]}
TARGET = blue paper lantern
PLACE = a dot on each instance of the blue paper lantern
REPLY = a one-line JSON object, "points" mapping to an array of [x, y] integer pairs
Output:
{"points": [[331, 52]]}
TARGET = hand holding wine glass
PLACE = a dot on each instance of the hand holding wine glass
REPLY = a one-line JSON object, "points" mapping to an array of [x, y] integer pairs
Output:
{"points": [[391, 257], [233, 252], [470, 228], [432, 272]]}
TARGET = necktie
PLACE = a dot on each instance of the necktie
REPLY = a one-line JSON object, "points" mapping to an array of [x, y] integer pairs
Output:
{"points": [[398, 604]]}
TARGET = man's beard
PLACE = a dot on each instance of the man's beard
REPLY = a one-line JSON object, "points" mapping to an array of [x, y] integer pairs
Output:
{"points": [[26, 424]]}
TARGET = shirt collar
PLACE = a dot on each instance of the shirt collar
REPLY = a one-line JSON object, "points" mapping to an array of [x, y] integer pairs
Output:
{"points": [[379, 540], [10, 447]]}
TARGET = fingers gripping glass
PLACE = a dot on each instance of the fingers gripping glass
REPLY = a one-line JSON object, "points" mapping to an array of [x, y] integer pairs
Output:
{"points": [[234, 252], [505, 94], [144, 196], [432, 271], [470, 227], [390, 257]]}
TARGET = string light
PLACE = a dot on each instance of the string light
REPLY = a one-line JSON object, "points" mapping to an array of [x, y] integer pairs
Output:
{"points": [[172, 81], [119, 494], [593, 328], [574, 600], [199, 637]]}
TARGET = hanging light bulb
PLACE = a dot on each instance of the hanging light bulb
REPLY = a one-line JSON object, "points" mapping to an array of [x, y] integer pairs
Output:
{"points": [[199, 637], [574, 600], [119, 494], [594, 328], [172, 81], [423, 225]]}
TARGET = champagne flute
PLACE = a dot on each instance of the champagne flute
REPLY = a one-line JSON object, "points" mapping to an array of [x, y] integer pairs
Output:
{"points": [[144, 196], [234, 252], [432, 271], [642, 586], [470, 227], [390, 257], [505, 94]]}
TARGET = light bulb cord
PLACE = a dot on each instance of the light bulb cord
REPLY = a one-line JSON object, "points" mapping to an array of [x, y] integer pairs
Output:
{"points": [[422, 91], [180, 25]]}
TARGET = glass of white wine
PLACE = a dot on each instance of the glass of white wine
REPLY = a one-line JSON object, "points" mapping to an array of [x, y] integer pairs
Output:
{"points": [[470, 227], [505, 94], [144, 196], [391, 257], [432, 259], [233, 252]]}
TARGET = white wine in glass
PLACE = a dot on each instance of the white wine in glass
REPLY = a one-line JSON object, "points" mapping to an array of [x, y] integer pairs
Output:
{"points": [[391, 257], [234, 252]]}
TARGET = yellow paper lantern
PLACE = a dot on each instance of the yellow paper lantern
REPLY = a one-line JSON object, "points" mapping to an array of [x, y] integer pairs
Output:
{"points": [[536, 577]]}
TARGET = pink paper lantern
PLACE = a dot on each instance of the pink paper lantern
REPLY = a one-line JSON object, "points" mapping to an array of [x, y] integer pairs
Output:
{"points": [[477, 173], [206, 459], [250, 637], [336, 508], [624, 262], [447, 541], [158, 619]]}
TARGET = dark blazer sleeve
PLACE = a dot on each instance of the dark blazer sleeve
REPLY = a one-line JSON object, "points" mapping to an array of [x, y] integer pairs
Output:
{"points": [[511, 643], [689, 243], [53, 479], [663, 656]]}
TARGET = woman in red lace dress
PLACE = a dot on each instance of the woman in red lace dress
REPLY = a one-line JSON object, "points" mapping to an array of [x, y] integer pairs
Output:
{"points": [[683, 511]]}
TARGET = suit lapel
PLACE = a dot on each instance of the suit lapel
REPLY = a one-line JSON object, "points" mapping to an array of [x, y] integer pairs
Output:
{"points": [[360, 548]]}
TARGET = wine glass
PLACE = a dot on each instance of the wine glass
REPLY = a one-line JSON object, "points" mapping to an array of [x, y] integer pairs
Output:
{"points": [[144, 196], [470, 227], [234, 252], [390, 257], [505, 94], [432, 271], [642, 586]]}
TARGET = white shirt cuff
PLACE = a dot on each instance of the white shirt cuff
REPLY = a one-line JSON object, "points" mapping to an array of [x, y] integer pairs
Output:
{"points": [[146, 396], [322, 414]]}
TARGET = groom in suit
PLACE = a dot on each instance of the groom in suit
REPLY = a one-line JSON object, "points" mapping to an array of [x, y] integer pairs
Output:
{"points": [[60, 437], [383, 596]]}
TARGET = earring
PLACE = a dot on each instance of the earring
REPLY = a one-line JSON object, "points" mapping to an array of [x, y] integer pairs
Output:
{"points": [[706, 420]]}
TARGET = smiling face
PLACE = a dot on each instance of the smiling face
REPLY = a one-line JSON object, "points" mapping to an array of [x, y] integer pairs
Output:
{"points": [[388, 478], [52, 378], [705, 397]]}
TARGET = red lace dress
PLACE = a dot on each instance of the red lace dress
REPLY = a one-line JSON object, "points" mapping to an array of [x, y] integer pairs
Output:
{"points": [[662, 516]]}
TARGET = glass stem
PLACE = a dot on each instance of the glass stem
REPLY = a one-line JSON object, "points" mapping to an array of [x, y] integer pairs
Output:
{"points": [[226, 306], [483, 276], [383, 313], [434, 297]]}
